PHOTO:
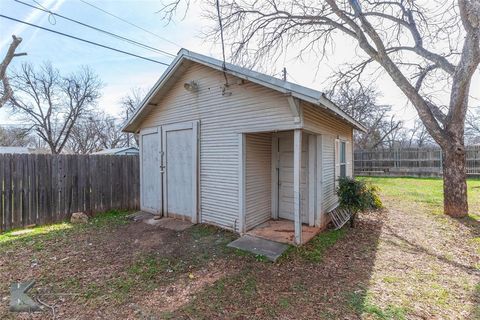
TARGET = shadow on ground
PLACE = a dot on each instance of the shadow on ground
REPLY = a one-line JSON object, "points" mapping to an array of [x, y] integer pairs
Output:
{"points": [[473, 226], [311, 282]]}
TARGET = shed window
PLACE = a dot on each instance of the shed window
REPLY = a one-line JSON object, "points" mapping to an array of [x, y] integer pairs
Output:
{"points": [[343, 161]]}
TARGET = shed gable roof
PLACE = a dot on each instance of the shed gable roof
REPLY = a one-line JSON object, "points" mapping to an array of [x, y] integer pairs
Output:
{"points": [[312, 96]]}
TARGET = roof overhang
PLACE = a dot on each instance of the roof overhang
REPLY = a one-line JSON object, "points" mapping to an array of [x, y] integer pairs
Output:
{"points": [[311, 96]]}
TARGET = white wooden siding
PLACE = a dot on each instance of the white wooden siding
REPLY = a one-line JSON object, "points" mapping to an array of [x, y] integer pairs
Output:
{"points": [[320, 121], [249, 108], [331, 129], [258, 204]]}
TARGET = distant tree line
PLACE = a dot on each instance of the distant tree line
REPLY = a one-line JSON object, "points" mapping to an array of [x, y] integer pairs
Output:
{"points": [[60, 111], [384, 129]]}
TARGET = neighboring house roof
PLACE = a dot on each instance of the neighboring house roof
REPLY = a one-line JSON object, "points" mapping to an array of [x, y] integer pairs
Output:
{"points": [[24, 150], [125, 150], [312, 96]]}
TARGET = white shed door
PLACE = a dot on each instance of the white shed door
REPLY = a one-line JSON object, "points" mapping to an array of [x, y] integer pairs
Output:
{"points": [[151, 193], [180, 152], [285, 177]]}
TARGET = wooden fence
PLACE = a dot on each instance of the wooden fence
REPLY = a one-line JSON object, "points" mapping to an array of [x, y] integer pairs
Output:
{"points": [[409, 162], [38, 189]]}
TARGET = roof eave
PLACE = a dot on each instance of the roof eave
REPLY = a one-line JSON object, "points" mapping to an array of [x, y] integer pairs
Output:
{"points": [[321, 101]]}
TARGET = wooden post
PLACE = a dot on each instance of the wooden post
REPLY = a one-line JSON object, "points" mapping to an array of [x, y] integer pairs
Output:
{"points": [[241, 183], [297, 197], [275, 169], [312, 158]]}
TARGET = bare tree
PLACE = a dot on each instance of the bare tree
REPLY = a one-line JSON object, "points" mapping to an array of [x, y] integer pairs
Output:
{"points": [[84, 137], [6, 93], [419, 136], [129, 104], [111, 135], [16, 137], [53, 103], [473, 126], [360, 102], [420, 45], [95, 132]]}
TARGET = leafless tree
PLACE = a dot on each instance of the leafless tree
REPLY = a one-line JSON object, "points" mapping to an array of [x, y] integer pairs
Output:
{"points": [[421, 45], [6, 92], [360, 102], [419, 136], [84, 137], [473, 126], [52, 103], [111, 135], [129, 104], [16, 137], [95, 132]]}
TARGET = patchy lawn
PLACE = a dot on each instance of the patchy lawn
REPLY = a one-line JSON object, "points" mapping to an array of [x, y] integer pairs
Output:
{"points": [[407, 262]]}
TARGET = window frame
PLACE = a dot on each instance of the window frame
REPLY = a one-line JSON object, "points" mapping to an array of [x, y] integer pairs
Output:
{"points": [[342, 162]]}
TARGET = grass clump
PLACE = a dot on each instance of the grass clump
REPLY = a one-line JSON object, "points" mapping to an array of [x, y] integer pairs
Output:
{"points": [[314, 250], [361, 303]]}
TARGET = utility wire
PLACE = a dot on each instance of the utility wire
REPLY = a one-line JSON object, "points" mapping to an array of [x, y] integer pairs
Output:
{"points": [[130, 23], [84, 40], [96, 29]]}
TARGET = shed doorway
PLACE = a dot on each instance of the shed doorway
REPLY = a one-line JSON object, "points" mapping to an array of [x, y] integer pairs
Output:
{"points": [[285, 176], [150, 175], [179, 146], [269, 185], [169, 171]]}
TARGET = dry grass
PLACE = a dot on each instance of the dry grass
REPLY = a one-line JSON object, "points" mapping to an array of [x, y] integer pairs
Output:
{"points": [[403, 263]]}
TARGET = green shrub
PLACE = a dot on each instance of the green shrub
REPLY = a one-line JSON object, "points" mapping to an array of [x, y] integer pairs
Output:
{"points": [[358, 195]]}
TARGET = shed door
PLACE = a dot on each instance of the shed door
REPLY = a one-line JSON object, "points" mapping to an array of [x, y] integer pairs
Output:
{"points": [[285, 177], [180, 177], [151, 182]]}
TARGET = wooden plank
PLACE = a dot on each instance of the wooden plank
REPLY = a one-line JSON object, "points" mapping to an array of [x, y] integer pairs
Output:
{"points": [[88, 206], [54, 193], [75, 205], [49, 198], [32, 190], [8, 191], [17, 191], [241, 182], [62, 192], [81, 183], [25, 192], [319, 196], [312, 193], [93, 184], [297, 198]]}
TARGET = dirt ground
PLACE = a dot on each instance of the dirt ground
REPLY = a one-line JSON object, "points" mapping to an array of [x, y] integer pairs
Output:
{"points": [[396, 264]]}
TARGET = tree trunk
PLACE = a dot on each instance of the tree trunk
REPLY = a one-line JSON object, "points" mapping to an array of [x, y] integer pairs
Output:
{"points": [[454, 181]]}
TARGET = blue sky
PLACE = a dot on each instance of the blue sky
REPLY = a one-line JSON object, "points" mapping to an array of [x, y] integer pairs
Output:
{"points": [[121, 73]]}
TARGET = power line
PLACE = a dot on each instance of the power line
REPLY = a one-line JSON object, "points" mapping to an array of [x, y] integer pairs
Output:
{"points": [[130, 23], [84, 40], [95, 28]]}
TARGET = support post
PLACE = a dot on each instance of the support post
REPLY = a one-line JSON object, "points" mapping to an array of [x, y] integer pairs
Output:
{"points": [[312, 188], [241, 182], [297, 198]]}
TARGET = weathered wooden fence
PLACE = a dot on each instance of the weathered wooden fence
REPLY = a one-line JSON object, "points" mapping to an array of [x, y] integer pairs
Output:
{"points": [[37, 189], [409, 162]]}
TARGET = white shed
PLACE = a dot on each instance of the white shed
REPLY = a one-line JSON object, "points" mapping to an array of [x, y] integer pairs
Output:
{"points": [[225, 145]]}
